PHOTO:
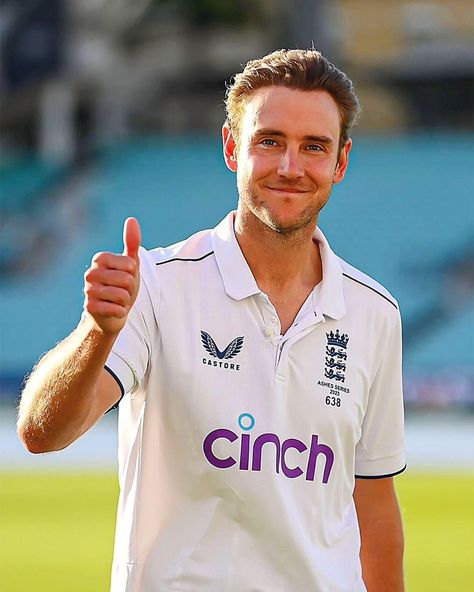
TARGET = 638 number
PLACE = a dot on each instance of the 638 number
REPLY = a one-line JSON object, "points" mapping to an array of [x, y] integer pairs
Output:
{"points": [[333, 401]]}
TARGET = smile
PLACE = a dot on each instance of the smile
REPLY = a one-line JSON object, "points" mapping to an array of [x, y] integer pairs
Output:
{"points": [[287, 190]]}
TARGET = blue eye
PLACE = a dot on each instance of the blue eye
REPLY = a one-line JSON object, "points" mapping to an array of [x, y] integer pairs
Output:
{"points": [[314, 147], [268, 142]]}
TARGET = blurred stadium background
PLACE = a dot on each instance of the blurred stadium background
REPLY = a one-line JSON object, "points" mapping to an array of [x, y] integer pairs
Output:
{"points": [[112, 108]]}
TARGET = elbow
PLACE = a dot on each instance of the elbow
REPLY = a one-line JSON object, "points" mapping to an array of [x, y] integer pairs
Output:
{"points": [[35, 447], [32, 444], [36, 442]]}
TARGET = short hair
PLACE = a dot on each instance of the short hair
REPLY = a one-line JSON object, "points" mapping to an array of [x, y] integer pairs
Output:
{"points": [[302, 69]]}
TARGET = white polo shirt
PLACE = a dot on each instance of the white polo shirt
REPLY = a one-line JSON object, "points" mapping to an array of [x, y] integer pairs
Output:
{"points": [[238, 447]]}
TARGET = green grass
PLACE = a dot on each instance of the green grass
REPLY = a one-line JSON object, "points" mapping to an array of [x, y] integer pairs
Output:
{"points": [[57, 531], [438, 513]]}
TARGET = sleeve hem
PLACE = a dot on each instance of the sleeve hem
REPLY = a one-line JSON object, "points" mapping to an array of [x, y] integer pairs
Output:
{"points": [[119, 382], [381, 476], [122, 369]]}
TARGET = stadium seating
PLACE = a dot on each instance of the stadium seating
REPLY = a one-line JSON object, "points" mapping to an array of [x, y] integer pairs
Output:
{"points": [[403, 213]]}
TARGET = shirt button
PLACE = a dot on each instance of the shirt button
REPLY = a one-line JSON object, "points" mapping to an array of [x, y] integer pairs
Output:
{"points": [[274, 321], [269, 331]]}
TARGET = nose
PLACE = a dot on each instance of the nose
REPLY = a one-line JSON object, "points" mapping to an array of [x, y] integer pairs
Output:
{"points": [[290, 165]]}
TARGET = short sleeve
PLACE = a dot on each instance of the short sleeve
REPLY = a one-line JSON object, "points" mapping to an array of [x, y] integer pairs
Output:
{"points": [[130, 356], [380, 451]]}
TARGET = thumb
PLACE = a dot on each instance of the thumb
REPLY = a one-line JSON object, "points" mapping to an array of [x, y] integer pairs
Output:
{"points": [[132, 237]]}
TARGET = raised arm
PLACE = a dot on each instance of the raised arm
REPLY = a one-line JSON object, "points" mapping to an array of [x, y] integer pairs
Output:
{"points": [[69, 390]]}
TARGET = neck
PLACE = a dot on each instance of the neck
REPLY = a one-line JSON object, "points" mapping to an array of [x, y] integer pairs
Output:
{"points": [[279, 262]]}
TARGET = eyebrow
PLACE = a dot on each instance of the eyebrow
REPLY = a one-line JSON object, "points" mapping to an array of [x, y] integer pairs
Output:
{"points": [[272, 132]]}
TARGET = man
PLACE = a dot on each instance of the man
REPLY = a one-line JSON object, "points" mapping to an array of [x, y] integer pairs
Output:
{"points": [[260, 416]]}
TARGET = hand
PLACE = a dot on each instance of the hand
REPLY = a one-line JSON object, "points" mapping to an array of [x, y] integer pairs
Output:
{"points": [[111, 283]]}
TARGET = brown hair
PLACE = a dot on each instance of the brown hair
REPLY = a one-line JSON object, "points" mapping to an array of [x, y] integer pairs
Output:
{"points": [[294, 68]]}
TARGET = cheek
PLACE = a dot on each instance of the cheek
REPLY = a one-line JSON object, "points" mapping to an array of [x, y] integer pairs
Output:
{"points": [[323, 171], [246, 171], [243, 181], [249, 176], [256, 167]]}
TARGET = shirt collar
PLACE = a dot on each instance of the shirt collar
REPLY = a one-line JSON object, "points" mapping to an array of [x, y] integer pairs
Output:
{"points": [[239, 282], [330, 297]]}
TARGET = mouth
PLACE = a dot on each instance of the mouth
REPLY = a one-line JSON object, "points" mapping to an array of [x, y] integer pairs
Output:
{"points": [[287, 190]]}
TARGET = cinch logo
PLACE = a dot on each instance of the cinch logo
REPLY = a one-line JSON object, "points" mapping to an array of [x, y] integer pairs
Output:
{"points": [[229, 352], [250, 453]]}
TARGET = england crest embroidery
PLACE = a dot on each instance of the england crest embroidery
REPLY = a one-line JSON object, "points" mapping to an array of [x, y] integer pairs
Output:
{"points": [[336, 355]]}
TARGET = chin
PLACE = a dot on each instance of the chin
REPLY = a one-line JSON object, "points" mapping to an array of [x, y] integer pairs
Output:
{"points": [[290, 226]]}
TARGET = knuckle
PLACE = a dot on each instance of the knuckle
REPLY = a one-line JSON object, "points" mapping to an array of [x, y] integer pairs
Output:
{"points": [[115, 311], [90, 292], [121, 312], [124, 297], [89, 275], [100, 258], [90, 306]]}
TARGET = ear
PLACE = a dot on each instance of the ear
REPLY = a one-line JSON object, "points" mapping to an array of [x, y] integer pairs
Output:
{"points": [[342, 163], [230, 148]]}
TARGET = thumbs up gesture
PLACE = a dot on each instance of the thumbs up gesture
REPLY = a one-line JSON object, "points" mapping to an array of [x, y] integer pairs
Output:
{"points": [[111, 283]]}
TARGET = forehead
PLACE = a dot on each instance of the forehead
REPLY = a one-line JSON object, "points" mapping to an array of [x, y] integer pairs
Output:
{"points": [[292, 111]]}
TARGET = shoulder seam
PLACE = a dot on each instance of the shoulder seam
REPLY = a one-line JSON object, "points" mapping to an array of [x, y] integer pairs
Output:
{"points": [[370, 288], [184, 259]]}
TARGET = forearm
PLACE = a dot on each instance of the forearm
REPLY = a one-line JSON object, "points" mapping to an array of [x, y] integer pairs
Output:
{"points": [[69, 389], [382, 556], [381, 533], [59, 393]]}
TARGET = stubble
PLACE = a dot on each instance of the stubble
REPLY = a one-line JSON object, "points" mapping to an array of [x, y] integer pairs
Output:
{"points": [[257, 215]]}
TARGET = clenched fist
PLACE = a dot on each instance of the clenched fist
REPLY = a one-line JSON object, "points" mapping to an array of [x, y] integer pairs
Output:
{"points": [[111, 283]]}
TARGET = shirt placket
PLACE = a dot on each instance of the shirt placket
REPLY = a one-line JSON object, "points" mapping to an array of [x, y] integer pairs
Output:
{"points": [[297, 331], [304, 323]]}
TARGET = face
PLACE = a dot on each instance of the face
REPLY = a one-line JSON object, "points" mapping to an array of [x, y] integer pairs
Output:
{"points": [[287, 158]]}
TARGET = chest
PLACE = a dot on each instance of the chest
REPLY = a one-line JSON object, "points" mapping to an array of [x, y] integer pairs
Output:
{"points": [[227, 360]]}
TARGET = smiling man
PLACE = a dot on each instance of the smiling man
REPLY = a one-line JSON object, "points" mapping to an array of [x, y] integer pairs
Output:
{"points": [[258, 375]]}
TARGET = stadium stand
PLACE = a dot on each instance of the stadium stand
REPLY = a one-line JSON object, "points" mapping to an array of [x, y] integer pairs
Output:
{"points": [[404, 215]]}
